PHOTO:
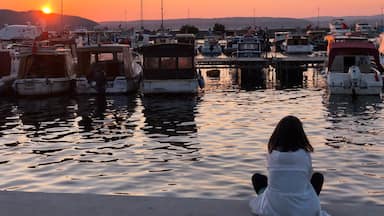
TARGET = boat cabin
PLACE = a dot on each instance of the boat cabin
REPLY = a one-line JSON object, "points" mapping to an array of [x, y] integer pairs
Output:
{"points": [[185, 38], [169, 61], [343, 55], [113, 60], [45, 63]]}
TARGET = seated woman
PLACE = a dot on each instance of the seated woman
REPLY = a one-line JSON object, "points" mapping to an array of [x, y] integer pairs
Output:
{"points": [[290, 189]]}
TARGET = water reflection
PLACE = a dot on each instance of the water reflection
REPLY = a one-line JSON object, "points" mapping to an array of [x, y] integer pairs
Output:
{"points": [[38, 116], [359, 116], [106, 115], [170, 115], [252, 78]]}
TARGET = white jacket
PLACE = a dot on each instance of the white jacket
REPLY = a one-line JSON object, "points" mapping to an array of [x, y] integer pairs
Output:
{"points": [[289, 191]]}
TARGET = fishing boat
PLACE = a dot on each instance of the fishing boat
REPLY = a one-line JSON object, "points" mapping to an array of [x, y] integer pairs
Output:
{"points": [[354, 69], [107, 68], [9, 67], [170, 68], [44, 71], [296, 44]]}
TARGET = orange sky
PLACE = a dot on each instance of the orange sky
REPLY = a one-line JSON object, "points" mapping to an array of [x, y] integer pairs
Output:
{"points": [[105, 10]]}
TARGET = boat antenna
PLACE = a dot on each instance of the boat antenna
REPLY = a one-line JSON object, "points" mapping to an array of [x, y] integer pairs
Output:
{"points": [[162, 17], [254, 17], [318, 17], [141, 15], [125, 18], [382, 17]]}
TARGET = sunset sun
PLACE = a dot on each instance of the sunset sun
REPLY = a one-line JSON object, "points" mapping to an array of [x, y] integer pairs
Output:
{"points": [[46, 10]]}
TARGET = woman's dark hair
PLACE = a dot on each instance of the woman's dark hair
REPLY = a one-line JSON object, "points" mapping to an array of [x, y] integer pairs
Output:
{"points": [[288, 136]]}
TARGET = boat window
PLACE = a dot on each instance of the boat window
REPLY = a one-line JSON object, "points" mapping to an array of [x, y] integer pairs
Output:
{"points": [[151, 63], [168, 63], [185, 62], [249, 46], [348, 62], [338, 64], [47, 66], [105, 56]]}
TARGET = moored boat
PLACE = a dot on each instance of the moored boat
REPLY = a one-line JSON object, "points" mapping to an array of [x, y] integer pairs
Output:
{"points": [[44, 71], [296, 44], [354, 69], [108, 68], [9, 68], [169, 68]]}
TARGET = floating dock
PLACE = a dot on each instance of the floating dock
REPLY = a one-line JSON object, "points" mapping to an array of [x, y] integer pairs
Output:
{"points": [[272, 59]]}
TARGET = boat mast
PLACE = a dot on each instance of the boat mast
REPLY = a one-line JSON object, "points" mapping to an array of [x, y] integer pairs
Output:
{"points": [[62, 16], [162, 17], [382, 17], [318, 17], [141, 15]]}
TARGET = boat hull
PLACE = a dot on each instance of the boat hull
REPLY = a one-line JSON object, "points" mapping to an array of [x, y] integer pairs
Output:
{"points": [[118, 85], [341, 83], [42, 86], [170, 86]]}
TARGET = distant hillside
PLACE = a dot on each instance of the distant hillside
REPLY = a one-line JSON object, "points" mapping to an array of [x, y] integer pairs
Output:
{"points": [[51, 21], [237, 23], [350, 20], [234, 23]]}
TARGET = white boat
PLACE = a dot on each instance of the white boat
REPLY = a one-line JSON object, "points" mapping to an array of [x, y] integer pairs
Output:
{"points": [[354, 69], [170, 68], [9, 68], [44, 71], [19, 32], [248, 46], [296, 45], [211, 47], [338, 27], [363, 28], [108, 68]]}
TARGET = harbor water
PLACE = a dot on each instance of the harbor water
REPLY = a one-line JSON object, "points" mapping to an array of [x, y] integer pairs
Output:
{"points": [[205, 146]]}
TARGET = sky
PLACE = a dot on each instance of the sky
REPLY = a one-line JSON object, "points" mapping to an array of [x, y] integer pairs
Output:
{"points": [[119, 10]]}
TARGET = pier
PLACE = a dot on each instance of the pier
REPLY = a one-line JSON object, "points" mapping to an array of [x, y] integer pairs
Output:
{"points": [[266, 59], [36, 204], [287, 69]]}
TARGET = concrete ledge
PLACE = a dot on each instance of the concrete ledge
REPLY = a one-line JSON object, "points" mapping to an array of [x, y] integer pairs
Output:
{"points": [[45, 204]]}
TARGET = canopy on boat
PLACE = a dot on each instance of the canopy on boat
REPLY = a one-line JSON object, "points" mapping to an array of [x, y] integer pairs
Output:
{"points": [[169, 61], [354, 48]]}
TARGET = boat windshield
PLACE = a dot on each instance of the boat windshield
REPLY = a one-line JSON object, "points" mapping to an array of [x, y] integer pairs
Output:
{"points": [[342, 63], [46, 66]]}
